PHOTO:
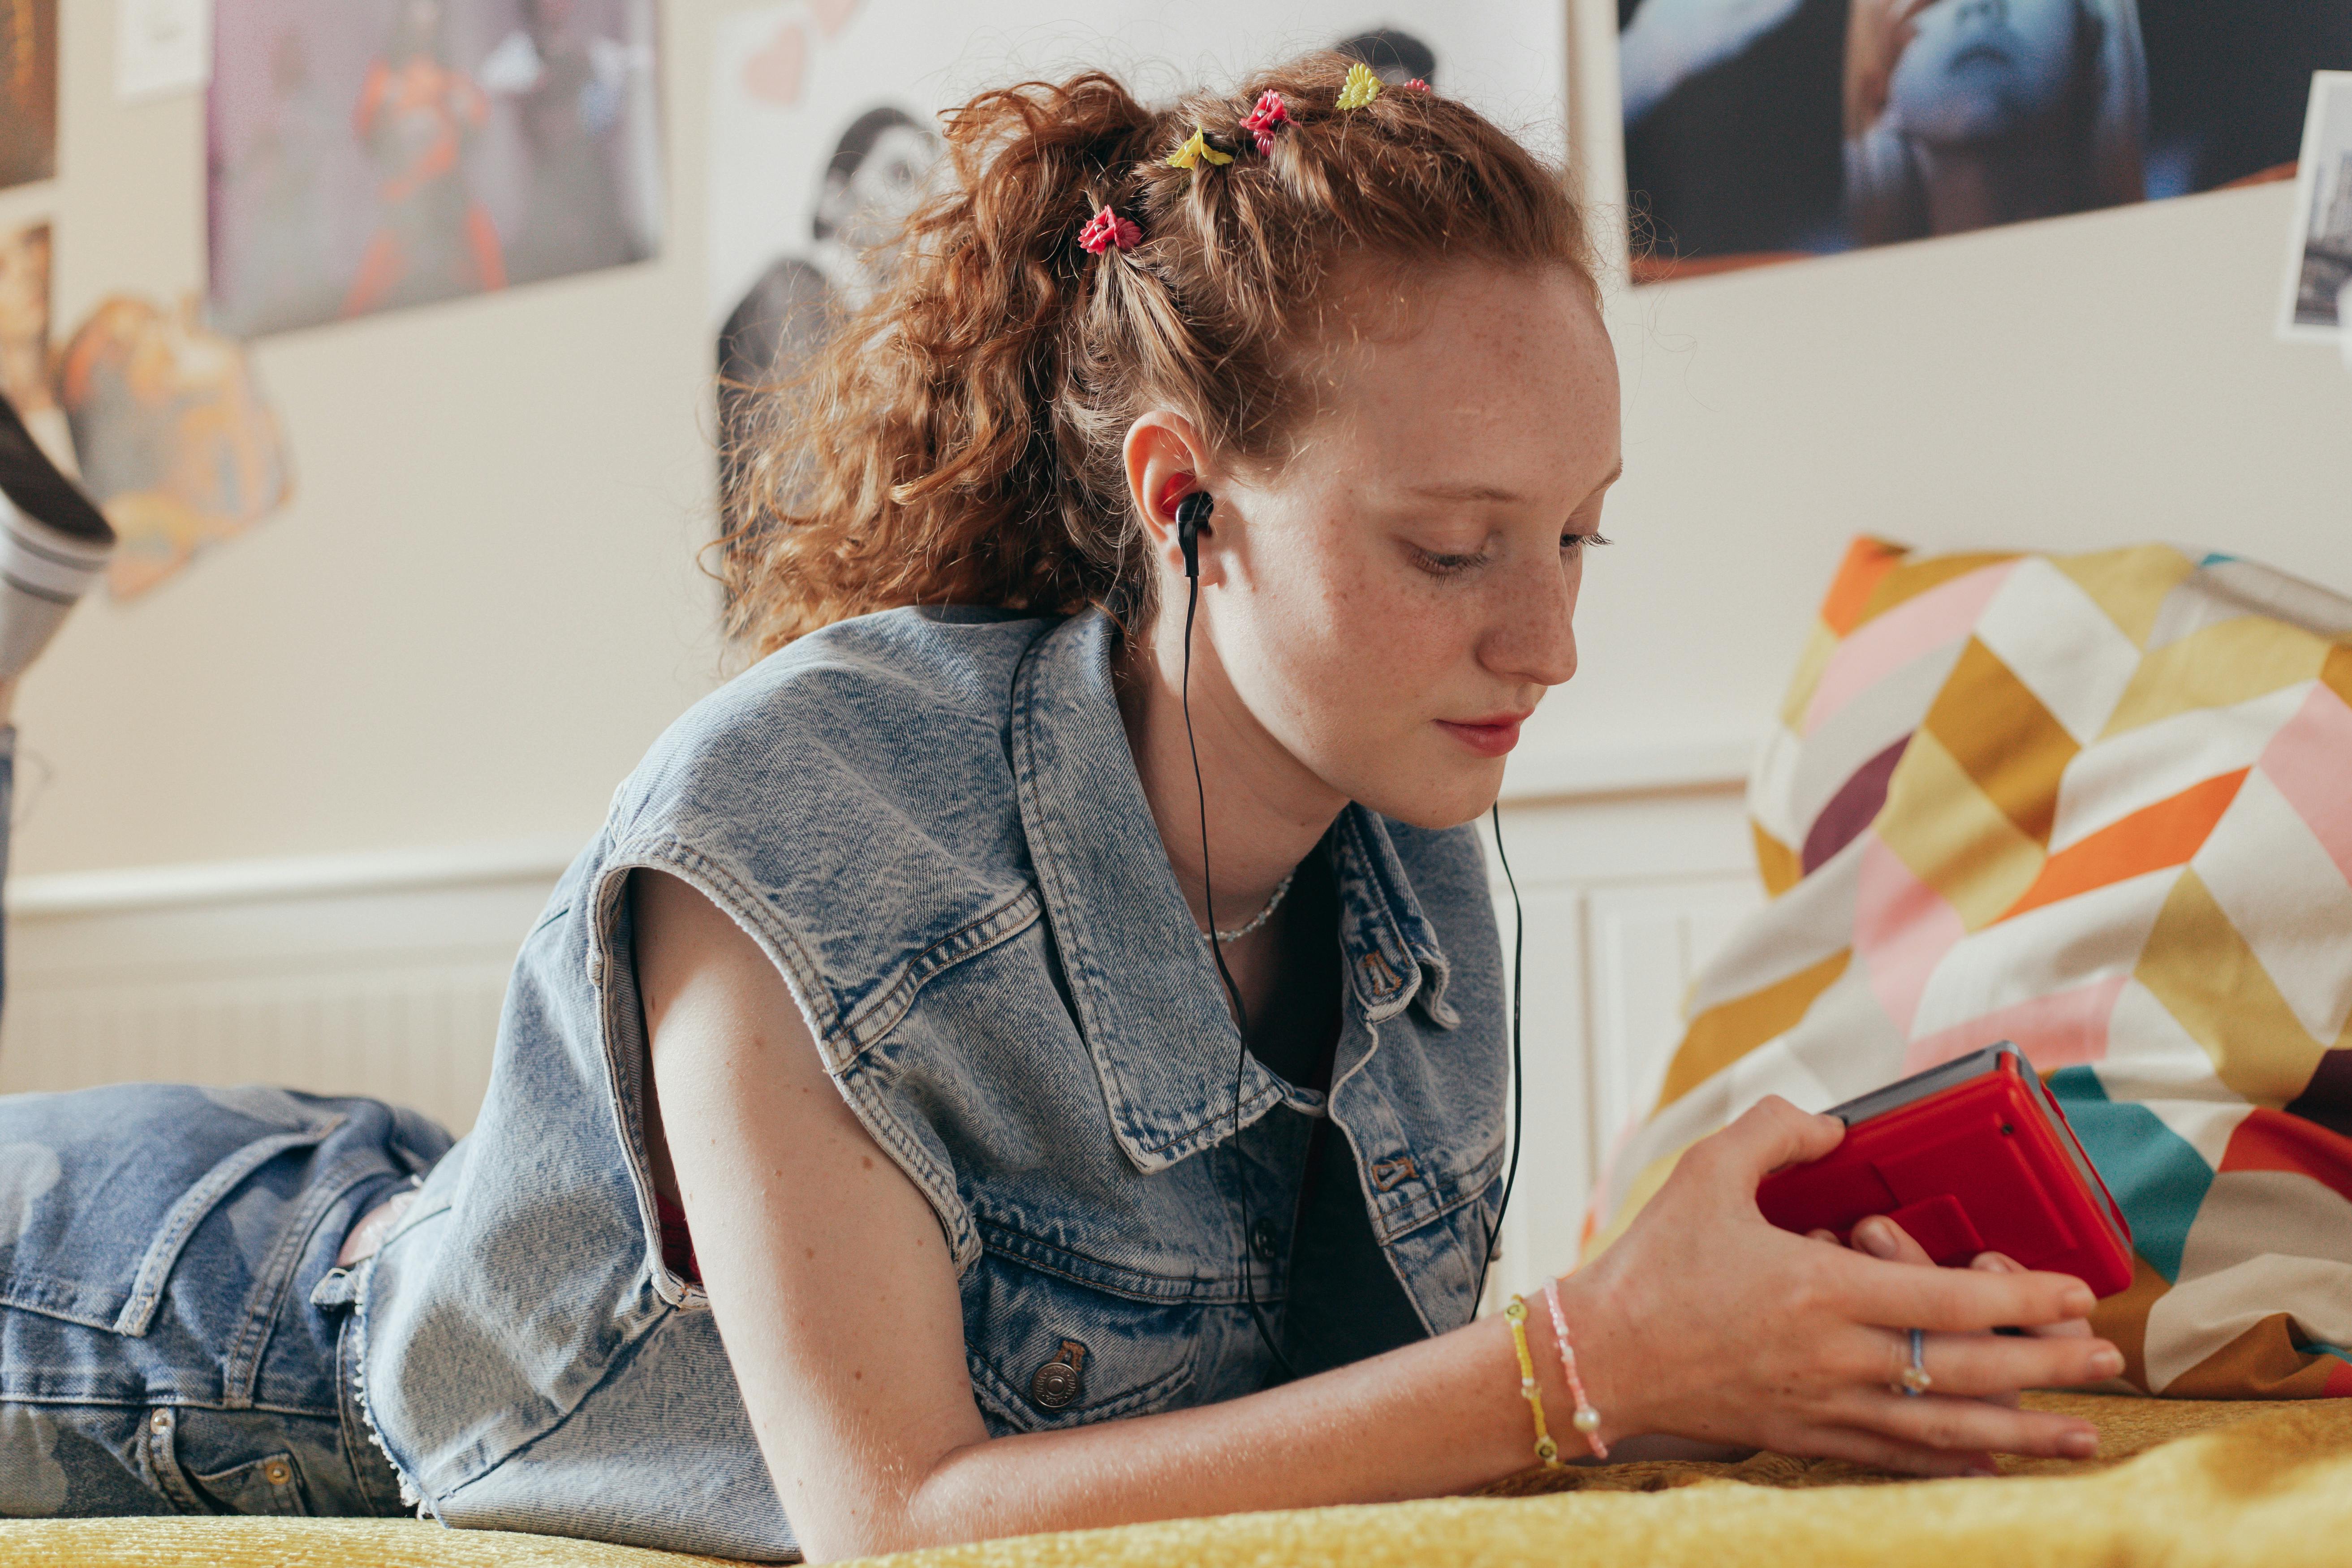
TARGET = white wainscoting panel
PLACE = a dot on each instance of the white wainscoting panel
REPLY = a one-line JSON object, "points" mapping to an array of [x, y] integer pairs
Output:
{"points": [[374, 975]]}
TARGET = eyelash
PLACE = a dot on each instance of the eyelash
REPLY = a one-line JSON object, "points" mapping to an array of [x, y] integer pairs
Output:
{"points": [[1454, 566]]}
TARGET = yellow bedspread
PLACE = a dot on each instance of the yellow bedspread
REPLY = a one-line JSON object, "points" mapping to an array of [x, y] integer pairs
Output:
{"points": [[2181, 1483]]}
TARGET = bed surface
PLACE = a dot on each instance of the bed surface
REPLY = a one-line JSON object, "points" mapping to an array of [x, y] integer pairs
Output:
{"points": [[2179, 1482]]}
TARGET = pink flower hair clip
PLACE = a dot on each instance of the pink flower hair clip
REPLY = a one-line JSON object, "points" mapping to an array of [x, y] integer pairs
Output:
{"points": [[1108, 231], [1260, 121], [1418, 84]]}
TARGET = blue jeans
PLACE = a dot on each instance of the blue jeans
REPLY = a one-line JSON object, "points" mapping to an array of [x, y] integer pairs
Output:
{"points": [[174, 1335]]}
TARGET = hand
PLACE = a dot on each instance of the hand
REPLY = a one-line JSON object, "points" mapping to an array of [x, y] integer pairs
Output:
{"points": [[1876, 34], [1668, 40], [1882, 1238], [1705, 1321]]}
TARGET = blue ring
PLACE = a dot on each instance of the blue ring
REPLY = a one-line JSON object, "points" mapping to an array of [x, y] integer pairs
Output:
{"points": [[1918, 1362]]}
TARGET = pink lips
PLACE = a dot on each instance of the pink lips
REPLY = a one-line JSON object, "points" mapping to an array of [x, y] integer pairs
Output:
{"points": [[1488, 737]]}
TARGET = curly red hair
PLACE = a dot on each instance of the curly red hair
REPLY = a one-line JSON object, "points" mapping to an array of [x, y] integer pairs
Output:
{"points": [[958, 440]]}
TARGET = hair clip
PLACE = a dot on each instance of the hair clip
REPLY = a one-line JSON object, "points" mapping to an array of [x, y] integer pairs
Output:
{"points": [[1108, 231], [1260, 121], [1418, 84], [1189, 155], [1360, 88]]}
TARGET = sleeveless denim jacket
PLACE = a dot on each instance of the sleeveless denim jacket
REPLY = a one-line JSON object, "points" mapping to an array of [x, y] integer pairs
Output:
{"points": [[931, 823]]}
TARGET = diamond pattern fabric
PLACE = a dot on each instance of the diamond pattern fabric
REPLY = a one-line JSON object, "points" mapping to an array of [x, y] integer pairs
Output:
{"points": [[2100, 805]]}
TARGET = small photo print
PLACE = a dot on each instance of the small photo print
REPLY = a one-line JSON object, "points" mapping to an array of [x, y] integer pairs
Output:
{"points": [[2319, 266]]}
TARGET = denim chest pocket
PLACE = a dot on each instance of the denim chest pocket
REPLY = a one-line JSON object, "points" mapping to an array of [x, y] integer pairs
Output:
{"points": [[1046, 1350], [100, 1191]]}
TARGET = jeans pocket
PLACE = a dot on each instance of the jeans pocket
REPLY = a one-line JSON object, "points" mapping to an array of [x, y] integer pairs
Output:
{"points": [[269, 1485], [101, 1189]]}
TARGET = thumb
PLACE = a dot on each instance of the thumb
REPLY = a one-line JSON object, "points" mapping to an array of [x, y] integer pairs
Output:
{"points": [[1774, 1134]]}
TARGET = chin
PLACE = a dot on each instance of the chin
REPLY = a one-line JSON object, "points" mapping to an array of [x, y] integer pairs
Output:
{"points": [[1438, 795]]}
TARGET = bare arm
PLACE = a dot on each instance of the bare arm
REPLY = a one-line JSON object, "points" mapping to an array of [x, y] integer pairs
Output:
{"points": [[838, 1302]]}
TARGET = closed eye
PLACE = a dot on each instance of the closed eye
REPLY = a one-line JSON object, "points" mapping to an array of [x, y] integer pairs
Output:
{"points": [[1438, 565]]}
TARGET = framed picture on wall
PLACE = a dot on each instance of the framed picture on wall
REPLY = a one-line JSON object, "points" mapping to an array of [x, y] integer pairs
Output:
{"points": [[372, 155], [825, 123], [1771, 129]]}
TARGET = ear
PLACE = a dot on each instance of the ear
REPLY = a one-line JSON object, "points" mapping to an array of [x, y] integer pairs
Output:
{"points": [[1165, 462]]}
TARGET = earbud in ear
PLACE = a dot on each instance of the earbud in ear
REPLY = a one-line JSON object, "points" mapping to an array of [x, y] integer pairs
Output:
{"points": [[1192, 512]]}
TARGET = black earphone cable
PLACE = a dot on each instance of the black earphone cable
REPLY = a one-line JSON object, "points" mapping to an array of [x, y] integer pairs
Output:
{"points": [[1189, 514], [1519, 1075]]}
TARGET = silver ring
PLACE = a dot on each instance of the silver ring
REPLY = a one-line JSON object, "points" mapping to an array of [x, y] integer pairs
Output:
{"points": [[1914, 1380]]}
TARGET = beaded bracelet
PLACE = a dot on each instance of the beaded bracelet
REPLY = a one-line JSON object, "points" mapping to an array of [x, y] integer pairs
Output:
{"points": [[1587, 1420], [1546, 1449]]}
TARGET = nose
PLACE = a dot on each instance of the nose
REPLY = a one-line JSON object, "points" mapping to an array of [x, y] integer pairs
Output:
{"points": [[1533, 637]]}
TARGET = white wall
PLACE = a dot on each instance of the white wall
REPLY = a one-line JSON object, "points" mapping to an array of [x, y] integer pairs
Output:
{"points": [[484, 600]]}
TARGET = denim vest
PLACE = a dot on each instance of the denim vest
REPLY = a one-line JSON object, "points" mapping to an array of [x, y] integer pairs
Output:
{"points": [[931, 823]]}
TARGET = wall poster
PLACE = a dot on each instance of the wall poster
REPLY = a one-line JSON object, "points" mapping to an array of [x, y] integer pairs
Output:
{"points": [[370, 155], [824, 128], [1763, 130]]}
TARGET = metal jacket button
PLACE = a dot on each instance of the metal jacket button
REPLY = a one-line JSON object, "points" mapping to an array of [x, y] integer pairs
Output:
{"points": [[1059, 1381], [1262, 1239]]}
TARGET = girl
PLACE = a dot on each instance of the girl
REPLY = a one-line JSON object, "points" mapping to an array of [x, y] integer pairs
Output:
{"points": [[1032, 1053]]}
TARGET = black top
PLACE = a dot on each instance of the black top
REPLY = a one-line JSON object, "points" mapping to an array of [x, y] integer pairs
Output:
{"points": [[1345, 1302]]}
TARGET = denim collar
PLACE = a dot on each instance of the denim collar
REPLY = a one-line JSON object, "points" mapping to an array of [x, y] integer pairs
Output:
{"points": [[1141, 976]]}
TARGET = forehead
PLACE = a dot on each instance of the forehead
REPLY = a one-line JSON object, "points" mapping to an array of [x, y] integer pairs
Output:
{"points": [[1475, 374]]}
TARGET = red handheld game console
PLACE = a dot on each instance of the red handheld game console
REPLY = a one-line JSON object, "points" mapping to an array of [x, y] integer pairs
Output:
{"points": [[1969, 1157]]}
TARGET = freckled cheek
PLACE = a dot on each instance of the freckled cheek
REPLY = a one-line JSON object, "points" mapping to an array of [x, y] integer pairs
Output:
{"points": [[1372, 651]]}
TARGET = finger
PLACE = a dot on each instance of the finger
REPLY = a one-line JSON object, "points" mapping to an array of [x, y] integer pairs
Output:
{"points": [[1971, 1426], [1858, 1445], [1772, 1135], [1883, 1239], [1977, 1365], [1957, 1299], [2002, 1263]]}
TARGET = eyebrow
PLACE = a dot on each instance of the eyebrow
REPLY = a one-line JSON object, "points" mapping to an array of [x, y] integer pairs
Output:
{"points": [[1490, 493]]}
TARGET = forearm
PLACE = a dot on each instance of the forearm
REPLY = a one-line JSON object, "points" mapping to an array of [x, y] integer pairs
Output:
{"points": [[1440, 1417]]}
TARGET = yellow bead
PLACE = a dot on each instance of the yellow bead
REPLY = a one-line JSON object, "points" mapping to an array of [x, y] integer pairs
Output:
{"points": [[1587, 1420], [1546, 1450]]}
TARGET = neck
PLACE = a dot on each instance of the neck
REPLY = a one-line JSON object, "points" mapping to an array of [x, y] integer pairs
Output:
{"points": [[1976, 185], [1266, 810]]}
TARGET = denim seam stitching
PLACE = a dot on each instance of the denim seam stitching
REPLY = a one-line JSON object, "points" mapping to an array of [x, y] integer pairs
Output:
{"points": [[1411, 1217], [983, 932], [1062, 1263], [241, 1366], [162, 1254]]}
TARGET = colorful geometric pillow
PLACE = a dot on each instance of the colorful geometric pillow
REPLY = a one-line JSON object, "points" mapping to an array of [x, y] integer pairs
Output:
{"points": [[2100, 805]]}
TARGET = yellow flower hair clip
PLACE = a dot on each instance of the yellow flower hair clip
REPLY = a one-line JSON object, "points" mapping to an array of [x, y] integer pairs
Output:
{"points": [[1360, 88], [1189, 155]]}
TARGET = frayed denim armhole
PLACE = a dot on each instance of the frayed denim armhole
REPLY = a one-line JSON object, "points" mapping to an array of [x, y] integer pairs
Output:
{"points": [[839, 1048]]}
